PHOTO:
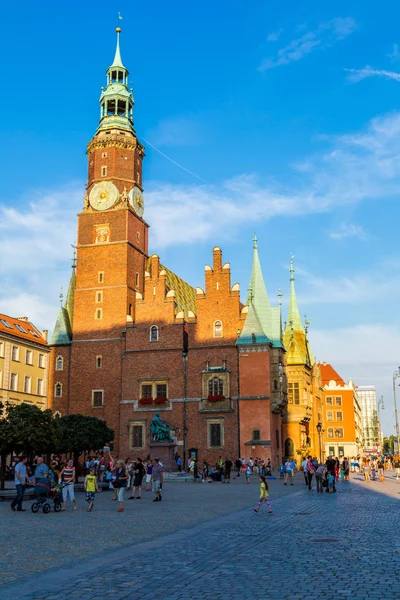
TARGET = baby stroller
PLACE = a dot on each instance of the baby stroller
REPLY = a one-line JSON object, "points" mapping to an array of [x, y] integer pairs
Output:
{"points": [[46, 495]]}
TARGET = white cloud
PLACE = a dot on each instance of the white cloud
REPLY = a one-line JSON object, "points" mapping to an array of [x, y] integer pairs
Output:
{"points": [[326, 34], [274, 35], [394, 55], [349, 230], [356, 75]]}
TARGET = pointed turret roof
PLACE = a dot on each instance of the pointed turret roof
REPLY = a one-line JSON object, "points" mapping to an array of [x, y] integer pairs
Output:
{"points": [[62, 333], [263, 322], [294, 319], [117, 62], [295, 336]]}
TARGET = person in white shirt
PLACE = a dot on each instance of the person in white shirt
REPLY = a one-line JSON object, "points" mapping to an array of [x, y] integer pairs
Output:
{"points": [[288, 472], [20, 481], [304, 465]]}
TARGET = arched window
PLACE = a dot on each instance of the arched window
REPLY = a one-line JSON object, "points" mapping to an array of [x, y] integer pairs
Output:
{"points": [[216, 387], [154, 333], [58, 390], [289, 448], [59, 363], [218, 329]]}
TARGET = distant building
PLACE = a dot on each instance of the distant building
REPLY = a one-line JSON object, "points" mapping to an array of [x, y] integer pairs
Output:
{"points": [[342, 418], [23, 362], [369, 418]]}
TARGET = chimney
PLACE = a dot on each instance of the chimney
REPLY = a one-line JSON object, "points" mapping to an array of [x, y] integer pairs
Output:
{"points": [[45, 334]]}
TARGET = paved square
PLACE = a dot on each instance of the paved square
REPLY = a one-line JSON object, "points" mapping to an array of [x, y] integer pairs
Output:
{"points": [[205, 542]]}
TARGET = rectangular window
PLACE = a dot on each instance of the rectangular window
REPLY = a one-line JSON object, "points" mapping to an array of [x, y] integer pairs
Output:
{"points": [[137, 437], [331, 450], [137, 280], [99, 362], [329, 401], [20, 328], [100, 276], [99, 297], [341, 451], [104, 171], [41, 361], [161, 390], [339, 415], [39, 388], [1, 349], [98, 314], [290, 392], [147, 391], [27, 385], [215, 435], [338, 400], [15, 353], [330, 432], [256, 437], [14, 382], [29, 357], [339, 432], [329, 415], [296, 393], [6, 323], [97, 398]]}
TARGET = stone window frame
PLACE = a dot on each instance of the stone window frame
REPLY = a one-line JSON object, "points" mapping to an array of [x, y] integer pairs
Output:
{"points": [[329, 401], [154, 383], [338, 398], [339, 412], [104, 170], [41, 361], [155, 329], [39, 387], [2, 345], [14, 379], [15, 353], [218, 323], [216, 421], [99, 296], [137, 423], [329, 412], [100, 276], [98, 314], [59, 360], [58, 390], [97, 391], [99, 361], [207, 376], [29, 356], [27, 384]]}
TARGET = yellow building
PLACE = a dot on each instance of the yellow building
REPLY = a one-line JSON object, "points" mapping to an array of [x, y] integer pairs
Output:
{"points": [[24, 359], [304, 408]]}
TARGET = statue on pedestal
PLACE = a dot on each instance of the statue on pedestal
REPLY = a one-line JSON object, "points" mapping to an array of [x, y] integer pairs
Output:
{"points": [[159, 430]]}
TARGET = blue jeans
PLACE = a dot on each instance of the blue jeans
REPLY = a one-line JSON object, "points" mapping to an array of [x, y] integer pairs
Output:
{"points": [[17, 502]]}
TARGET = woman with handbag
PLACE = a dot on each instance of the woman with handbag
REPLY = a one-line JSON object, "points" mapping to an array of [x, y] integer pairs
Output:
{"points": [[121, 482]]}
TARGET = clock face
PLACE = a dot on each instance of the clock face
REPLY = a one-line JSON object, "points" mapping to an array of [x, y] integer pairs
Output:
{"points": [[136, 201], [103, 195]]}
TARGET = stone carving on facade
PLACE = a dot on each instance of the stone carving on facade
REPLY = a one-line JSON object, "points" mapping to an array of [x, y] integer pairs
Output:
{"points": [[102, 234]]}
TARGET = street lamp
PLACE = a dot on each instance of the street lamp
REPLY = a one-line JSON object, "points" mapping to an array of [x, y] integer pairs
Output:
{"points": [[396, 375], [319, 429], [380, 406]]}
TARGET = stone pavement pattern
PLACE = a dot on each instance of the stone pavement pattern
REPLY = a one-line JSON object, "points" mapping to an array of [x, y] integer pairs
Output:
{"points": [[341, 545]]}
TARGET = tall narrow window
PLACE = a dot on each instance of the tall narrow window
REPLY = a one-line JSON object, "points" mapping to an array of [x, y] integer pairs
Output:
{"points": [[137, 280], [100, 276], [99, 297], [216, 387], [39, 388], [137, 437], [98, 314], [29, 357], [14, 382], [97, 397], [59, 363], [27, 384], [146, 390], [256, 435], [104, 171], [15, 353], [154, 333], [218, 329], [58, 390], [41, 361], [1, 349], [99, 362], [215, 435], [161, 390]]}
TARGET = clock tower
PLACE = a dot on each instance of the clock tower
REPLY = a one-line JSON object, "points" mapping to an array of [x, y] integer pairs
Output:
{"points": [[112, 245]]}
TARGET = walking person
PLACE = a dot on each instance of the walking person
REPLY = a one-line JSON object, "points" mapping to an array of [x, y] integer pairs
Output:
{"points": [[304, 466], [263, 495], [330, 467], [248, 473], [366, 469], [20, 479], [346, 469], [319, 477], [121, 482], [68, 477], [139, 472], [157, 480], [238, 466], [228, 464], [381, 472], [288, 472], [149, 471], [310, 472], [91, 487], [397, 466], [41, 470]]}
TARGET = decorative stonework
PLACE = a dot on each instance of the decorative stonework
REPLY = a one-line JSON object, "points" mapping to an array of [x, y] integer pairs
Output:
{"points": [[102, 235], [117, 141]]}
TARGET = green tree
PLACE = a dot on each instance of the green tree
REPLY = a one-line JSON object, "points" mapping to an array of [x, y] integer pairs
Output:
{"points": [[78, 434], [388, 444]]}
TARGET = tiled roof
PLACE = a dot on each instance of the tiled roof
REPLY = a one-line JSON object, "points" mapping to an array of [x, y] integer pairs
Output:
{"points": [[185, 294], [328, 374], [21, 328]]}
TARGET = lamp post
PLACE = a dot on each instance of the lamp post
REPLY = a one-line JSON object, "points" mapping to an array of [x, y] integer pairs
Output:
{"points": [[185, 429], [319, 429], [396, 375], [380, 406]]}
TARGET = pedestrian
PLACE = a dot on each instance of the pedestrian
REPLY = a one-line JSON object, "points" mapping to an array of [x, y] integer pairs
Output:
{"points": [[373, 470], [288, 472], [91, 487], [248, 473], [139, 473], [68, 476], [330, 467], [310, 472], [381, 473], [205, 471], [336, 469], [319, 477], [238, 466], [179, 463], [331, 483], [121, 483], [41, 470], [397, 466], [157, 480], [20, 479], [366, 469], [346, 469], [304, 466], [263, 495], [228, 464], [282, 471], [149, 471]]}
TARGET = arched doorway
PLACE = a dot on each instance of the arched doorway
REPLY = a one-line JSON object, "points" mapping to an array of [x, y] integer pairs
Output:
{"points": [[289, 448]]}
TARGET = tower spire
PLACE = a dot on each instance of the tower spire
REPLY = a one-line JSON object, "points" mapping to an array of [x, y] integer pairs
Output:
{"points": [[294, 318], [117, 62]]}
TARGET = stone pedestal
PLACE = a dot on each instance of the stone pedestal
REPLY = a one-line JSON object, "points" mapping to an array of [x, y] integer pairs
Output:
{"points": [[165, 451]]}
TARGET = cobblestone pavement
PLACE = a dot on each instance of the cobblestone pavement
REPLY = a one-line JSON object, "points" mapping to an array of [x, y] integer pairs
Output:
{"points": [[331, 546]]}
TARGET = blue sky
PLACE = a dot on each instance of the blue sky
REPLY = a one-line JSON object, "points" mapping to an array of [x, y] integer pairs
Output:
{"points": [[289, 116]]}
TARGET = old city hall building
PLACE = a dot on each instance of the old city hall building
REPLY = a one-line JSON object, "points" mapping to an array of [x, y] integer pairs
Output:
{"points": [[117, 346]]}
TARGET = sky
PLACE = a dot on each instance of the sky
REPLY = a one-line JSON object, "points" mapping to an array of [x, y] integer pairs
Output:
{"points": [[285, 119]]}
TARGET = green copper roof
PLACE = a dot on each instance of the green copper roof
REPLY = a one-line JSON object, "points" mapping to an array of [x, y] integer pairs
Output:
{"points": [[69, 302], [294, 319], [263, 322], [62, 331], [117, 62]]}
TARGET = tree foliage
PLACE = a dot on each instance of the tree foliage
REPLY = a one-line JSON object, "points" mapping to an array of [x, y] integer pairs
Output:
{"points": [[77, 434], [388, 444]]}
